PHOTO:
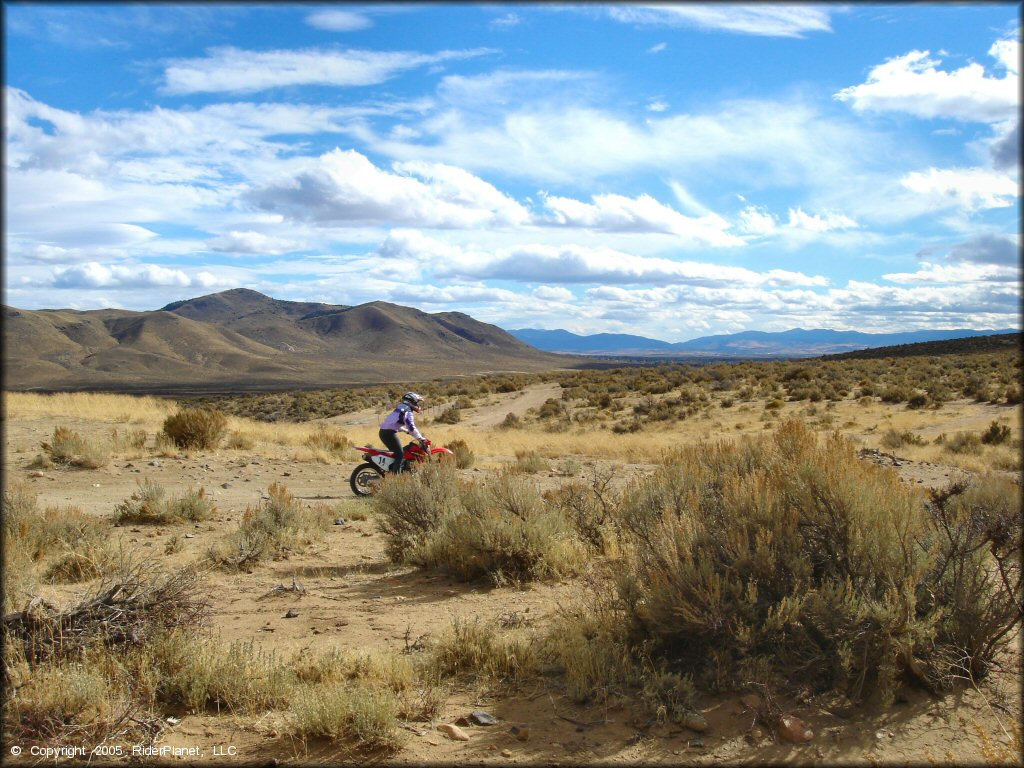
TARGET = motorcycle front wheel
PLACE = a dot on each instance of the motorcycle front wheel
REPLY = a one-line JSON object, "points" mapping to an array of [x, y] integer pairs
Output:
{"points": [[365, 479]]}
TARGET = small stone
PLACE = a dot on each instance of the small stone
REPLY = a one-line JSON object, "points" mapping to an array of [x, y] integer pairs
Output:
{"points": [[340, 521], [695, 743], [695, 722], [37, 473], [453, 732], [482, 718], [521, 732], [506, 753], [190, 535], [225, 485], [794, 730], [292, 613], [154, 463]]}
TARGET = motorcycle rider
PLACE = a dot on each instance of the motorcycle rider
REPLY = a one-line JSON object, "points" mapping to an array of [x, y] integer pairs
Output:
{"points": [[401, 420]]}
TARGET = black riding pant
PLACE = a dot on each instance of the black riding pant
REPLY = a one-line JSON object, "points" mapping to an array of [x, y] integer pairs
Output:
{"points": [[390, 439]]}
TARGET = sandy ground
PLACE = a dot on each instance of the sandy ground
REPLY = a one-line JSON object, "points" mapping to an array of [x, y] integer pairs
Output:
{"points": [[347, 595]]}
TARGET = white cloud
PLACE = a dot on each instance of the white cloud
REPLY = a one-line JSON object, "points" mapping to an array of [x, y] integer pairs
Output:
{"points": [[616, 213], [969, 188], [552, 293], [96, 275], [657, 48], [233, 70], [344, 187], [657, 106], [819, 222], [769, 19], [572, 263], [253, 242], [912, 83], [336, 20], [956, 274], [757, 221], [507, 21]]}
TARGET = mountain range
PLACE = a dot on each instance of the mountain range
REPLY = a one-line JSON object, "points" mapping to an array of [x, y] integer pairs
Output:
{"points": [[242, 340], [798, 342]]}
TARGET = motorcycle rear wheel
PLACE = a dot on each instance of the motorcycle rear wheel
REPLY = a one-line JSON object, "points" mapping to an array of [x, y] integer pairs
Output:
{"points": [[365, 479]]}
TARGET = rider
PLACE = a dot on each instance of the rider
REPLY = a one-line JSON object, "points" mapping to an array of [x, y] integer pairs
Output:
{"points": [[401, 420]]}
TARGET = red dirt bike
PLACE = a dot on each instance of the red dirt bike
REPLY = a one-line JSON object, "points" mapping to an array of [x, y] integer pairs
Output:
{"points": [[366, 477]]}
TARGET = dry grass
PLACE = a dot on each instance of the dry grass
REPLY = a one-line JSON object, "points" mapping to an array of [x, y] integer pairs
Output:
{"points": [[125, 409]]}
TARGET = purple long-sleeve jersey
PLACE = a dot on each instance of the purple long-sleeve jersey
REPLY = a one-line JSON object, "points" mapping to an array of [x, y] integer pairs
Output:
{"points": [[401, 420]]}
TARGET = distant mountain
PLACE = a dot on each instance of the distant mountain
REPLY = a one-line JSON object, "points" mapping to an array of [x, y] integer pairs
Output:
{"points": [[797, 342], [241, 340]]}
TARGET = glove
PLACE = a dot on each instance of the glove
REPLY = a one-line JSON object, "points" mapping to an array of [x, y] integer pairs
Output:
{"points": [[424, 444]]}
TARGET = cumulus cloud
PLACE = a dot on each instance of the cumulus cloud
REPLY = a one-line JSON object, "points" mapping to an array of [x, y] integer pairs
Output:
{"points": [[914, 84], [344, 187], [987, 249], [96, 275], [770, 19], [617, 213], [552, 293], [969, 188], [1005, 148], [233, 70]]}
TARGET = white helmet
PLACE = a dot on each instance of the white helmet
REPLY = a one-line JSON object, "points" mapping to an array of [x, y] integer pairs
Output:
{"points": [[413, 399]]}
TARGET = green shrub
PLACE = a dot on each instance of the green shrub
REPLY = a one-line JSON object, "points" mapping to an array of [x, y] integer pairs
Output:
{"points": [[279, 525], [452, 415], [149, 504], [893, 439], [975, 590], [511, 421], [502, 529], [788, 556], [530, 463], [962, 442], [464, 456], [996, 434], [196, 428], [68, 448]]}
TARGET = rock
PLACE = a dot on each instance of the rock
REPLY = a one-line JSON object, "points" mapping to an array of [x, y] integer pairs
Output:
{"points": [[695, 722], [506, 753], [453, 732], [292, 613], [340, 521], [695, 743], [190, 535], [751, 701], [521, 732], [462, 721], [483, 718], [37, 473], [154, 463], [794, 730], [225, 485]]}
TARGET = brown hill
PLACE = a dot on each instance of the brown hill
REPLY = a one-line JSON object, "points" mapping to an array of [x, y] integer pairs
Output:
{"points": [[242, 340]]}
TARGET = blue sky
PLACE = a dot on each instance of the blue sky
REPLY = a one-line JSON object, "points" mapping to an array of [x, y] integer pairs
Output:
{"points": [[667, 170]]}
